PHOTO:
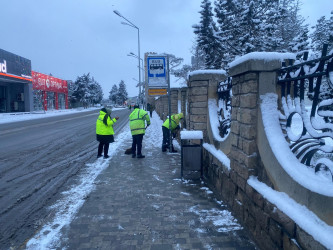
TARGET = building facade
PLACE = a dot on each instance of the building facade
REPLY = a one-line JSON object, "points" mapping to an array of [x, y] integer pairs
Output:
{"points": [[15, 83], [49, 92], [24, 90]]}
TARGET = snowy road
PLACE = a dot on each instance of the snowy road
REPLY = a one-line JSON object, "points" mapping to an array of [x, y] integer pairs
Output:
{"points": [[38, 159]]}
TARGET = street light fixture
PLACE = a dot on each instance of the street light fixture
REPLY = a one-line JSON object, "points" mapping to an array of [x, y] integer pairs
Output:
{"points": [[142, 82], [129, 23]]}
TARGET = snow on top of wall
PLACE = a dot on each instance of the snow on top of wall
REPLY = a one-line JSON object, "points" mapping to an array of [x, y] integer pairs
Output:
{"points": [[267, 56], [188, 135], [207, 71], [303, 217], [218, 155], [302, 174]]}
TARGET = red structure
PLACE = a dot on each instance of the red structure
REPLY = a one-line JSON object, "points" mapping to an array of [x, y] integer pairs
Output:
{"points": [[54, 91]]}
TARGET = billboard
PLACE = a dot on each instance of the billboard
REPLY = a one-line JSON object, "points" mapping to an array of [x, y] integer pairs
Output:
{"points": [[48, 83]]}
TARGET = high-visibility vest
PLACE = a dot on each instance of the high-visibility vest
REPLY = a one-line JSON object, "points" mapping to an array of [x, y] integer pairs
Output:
{"points": [[101, 128], [174, 122], [137, 121]]}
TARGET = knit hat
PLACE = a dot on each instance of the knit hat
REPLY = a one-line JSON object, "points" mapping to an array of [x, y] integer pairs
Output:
{"points": [[109, 111]]}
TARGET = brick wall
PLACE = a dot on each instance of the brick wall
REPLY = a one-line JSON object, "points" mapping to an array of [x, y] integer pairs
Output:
{"points": [[269, 226]]}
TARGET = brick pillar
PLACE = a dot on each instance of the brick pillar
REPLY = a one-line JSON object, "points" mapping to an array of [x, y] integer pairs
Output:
{"points": [[244, 155], [201, 86]]}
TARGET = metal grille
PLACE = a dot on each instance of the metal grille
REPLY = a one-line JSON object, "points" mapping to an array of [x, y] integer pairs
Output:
{"points": [[224, 106], [306, 104]]}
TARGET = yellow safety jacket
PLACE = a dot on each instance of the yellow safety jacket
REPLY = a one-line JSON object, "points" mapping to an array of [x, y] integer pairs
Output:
{"points": [[174, 122], [137, 121], [101, 128]]}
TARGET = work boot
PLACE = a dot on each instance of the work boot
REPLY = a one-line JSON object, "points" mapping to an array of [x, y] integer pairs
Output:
{"points": [[99, 156], [140, 156], [133, 155], [106, 156]]}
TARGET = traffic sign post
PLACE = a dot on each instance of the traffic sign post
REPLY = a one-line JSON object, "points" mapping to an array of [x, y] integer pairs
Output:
{"points": [[169, 102], [159, 82], [157, 75]]}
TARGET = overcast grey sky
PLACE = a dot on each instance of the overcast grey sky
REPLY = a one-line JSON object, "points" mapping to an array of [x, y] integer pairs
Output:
{"points": [[70, 37]]}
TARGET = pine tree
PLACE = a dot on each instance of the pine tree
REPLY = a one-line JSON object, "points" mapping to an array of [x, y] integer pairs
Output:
{"points": [[206, 36], [86, 90], [323, 33], [198, 58], [113, 94], [96, 92], [122, 93]]}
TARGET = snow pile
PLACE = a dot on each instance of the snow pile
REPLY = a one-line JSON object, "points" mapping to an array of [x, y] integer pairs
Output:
{"points": [[213, 119], [24, 116], [267, 56], [303, 217], [218, 154], [154, 133], [206, 71], [188, 135], [222, 219], [302, 174]]}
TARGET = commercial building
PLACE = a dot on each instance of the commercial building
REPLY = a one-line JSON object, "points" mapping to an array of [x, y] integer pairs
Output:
{"points": [[24, 90], [15, 83], [49, 92]]}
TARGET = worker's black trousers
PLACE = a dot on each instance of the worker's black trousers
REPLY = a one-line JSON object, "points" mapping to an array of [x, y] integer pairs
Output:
{"points": [[166, 139], [100, 148], [137, 144]]}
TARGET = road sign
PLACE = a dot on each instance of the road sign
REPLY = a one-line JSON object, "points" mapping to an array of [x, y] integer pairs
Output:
{"points": [[157, 92], [157, 77]]}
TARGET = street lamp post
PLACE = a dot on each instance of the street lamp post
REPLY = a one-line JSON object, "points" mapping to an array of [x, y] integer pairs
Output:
{"points": [[129, 23], [135, 56], [142, 81]]}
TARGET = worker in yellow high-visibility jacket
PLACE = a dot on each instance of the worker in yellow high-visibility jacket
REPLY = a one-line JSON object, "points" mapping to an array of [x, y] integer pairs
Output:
{"points": [[166, 131], [138, 119], [104, 131]]}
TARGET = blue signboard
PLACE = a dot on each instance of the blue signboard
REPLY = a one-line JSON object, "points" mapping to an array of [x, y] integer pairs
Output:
{"points": [[157, 71]]}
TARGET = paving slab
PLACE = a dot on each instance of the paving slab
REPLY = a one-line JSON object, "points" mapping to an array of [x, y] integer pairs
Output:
{"points": [[144, 204]]}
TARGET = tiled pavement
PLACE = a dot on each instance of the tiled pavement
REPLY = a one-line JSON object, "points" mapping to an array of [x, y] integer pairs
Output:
{"points": [[143, 204]]}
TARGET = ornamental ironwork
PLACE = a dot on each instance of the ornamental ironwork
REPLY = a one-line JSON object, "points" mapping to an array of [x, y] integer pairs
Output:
{"points": [[306, 95], [224, 106]]}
